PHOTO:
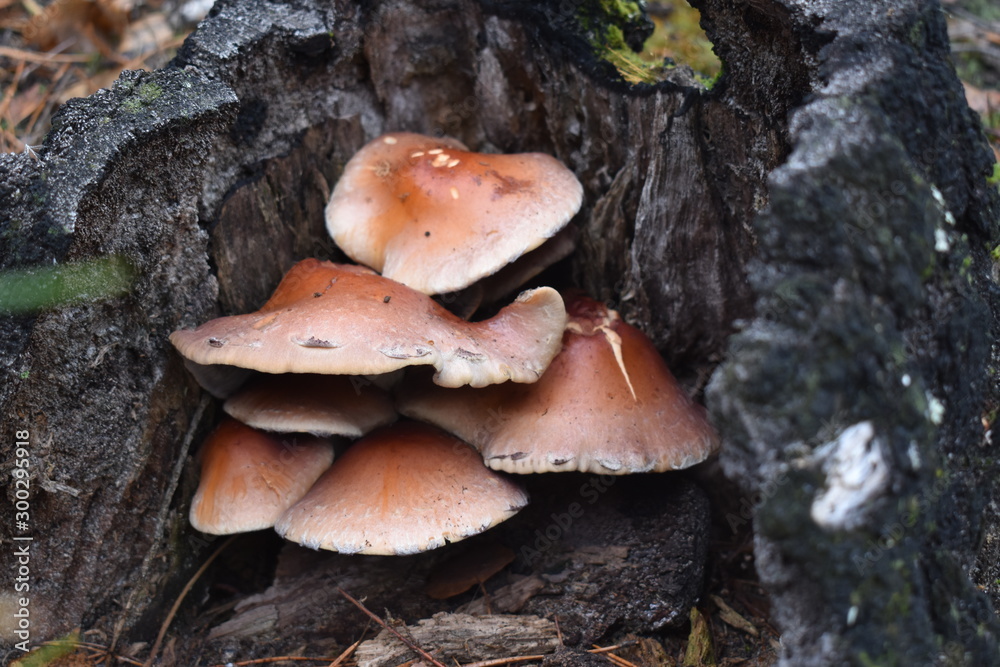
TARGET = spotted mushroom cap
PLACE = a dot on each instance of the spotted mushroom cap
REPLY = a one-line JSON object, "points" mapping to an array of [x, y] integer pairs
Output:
{"points": [[430, 214], [343, 319], [401, 490], [248, 478], [607, 404], [323, 405]]}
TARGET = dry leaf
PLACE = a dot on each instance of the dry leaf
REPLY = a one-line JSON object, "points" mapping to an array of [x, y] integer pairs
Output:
{"points": [[982, 101]]}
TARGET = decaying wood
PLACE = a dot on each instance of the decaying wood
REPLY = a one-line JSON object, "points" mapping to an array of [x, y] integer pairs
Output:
{"points": [[827, 199], [631, 557], [463, 638]]}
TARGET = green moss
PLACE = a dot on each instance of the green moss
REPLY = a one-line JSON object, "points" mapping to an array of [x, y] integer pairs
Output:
{"points": [[626, 61], [917, 36], [621, 10], [606, 23], [614, 38], [612, 25], [150, 91], [994, 178], [143, 96], [675, 39], [966, 265], [679, 38], [132, 105]]}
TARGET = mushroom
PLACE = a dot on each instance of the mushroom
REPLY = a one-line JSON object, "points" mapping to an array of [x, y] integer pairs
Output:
{"points": [[508, 279], [607, 404], [308, 403], [430, 214], [249, 478], [403, 489], [344, 319]]}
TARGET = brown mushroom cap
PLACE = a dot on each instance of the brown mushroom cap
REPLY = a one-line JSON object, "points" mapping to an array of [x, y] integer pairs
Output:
{"points": [[401, 490], [344, 319], [590, 411], [249, 478], [307, 403], [430, 214]]}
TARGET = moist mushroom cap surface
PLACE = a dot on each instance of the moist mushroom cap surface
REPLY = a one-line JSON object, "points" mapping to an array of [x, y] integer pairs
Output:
{"points": [[588, 412], [248, 478], [403, 489], [430, 214], [342, 319], [323, 405]]}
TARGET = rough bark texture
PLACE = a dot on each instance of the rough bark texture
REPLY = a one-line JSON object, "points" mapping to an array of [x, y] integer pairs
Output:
{"points": [[863, 292], [876, 305]]}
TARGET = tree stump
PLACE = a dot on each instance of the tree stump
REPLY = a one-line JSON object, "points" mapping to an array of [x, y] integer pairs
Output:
{"points": [[815, 232]]}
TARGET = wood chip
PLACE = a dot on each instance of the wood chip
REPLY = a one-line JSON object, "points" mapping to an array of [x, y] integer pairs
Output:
{"points": [[729, 616], [463, 638], [700, 652]]}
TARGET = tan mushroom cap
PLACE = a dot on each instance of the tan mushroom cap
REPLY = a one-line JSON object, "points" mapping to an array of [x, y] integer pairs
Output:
{"points": [[323, 405], [430, 214], [248, 478], [591, 411], [343, 319], [401, 490]]}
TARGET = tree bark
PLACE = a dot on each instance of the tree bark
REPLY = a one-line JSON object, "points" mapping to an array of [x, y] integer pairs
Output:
{"points": [[819, 222]]}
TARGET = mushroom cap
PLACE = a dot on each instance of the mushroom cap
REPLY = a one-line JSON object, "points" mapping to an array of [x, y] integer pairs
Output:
{"points": [[582, 415], [403, 489], [501, 284], [323, 405], [430, 214], [527, 266], [248, 478], [342, 319]]}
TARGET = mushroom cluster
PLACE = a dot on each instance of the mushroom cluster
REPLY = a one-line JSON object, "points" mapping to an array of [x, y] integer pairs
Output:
{"points": [[544, 385]]}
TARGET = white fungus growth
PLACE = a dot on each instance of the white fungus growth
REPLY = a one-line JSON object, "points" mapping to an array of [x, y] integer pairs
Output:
{"points": [[856, 473]]}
